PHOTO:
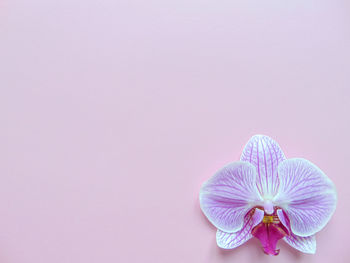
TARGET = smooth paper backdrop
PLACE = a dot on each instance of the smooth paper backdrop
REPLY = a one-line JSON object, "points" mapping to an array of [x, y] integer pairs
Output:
{"points": [[113, 113]]}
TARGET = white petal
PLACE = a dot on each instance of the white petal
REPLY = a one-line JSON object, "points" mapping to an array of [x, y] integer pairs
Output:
{"points": [[303, 244], [232, 240], [265, 154], [228, 196], [307, 196]]}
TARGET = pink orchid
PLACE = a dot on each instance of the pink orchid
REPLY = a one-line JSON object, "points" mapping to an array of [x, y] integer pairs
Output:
{"points": [[269, 197]]}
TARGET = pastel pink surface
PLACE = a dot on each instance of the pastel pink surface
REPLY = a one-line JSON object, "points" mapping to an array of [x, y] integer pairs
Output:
{"points": [[114, 113]]}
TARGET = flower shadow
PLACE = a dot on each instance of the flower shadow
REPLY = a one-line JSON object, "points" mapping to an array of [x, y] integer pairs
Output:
{"points": [[291, 252]]}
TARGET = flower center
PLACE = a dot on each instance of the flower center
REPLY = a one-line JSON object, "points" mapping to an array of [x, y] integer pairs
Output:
{"points": [[271, 219], [268, 207]]}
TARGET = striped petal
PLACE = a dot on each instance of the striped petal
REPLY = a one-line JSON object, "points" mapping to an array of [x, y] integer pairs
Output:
{"points": [[232, 240], [228, 196], [307, 196], [265, 154], [303, 244]]}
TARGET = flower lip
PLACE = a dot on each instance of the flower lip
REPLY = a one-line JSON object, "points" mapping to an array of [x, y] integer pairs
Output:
{"points": [[269, 231]]}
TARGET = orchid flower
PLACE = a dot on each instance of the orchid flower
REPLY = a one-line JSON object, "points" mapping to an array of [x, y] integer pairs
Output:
{"points": [[269, 197]]}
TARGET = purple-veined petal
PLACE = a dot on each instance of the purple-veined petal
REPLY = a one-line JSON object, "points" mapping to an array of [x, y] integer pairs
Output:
{"points": [[232, 240], [228, 196], [307, 196], [283, 218], [265, 154], [303, 244]]}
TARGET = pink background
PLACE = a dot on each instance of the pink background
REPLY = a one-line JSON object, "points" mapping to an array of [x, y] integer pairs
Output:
{"points": [[113, 113]]}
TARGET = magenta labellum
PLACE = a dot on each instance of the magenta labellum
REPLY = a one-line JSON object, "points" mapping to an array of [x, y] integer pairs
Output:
{"points": [[269, 197]]}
